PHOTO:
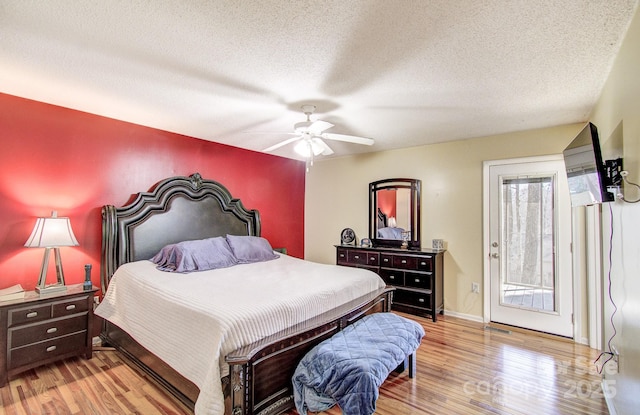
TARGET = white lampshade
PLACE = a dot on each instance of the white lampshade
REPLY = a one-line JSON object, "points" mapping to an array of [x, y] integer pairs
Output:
{"points": [[51, 232], [308, 146], [392, 222]]}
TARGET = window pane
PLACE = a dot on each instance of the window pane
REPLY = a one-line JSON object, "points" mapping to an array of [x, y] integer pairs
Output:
{"points": [[528, 243]]}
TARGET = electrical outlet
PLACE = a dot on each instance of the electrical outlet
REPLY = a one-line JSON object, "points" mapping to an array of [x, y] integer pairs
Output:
{"points": [[475, 287], [616, 359]]}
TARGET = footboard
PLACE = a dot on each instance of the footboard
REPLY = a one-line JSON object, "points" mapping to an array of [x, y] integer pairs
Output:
{"points": [[260, 374]]}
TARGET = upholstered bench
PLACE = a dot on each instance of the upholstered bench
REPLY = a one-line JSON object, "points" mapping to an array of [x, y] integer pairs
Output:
{"points": [[348, 368]]}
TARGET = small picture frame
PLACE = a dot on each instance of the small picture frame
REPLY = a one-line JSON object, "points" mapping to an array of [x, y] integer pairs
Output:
{"points": [[365, 243], [437, 244]]}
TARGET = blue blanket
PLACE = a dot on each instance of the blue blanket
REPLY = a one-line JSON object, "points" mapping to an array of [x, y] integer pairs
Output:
{"points": [[349, 367]]}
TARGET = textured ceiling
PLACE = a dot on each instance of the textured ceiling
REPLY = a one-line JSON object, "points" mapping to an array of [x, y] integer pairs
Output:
{"points": [[402, 72]]}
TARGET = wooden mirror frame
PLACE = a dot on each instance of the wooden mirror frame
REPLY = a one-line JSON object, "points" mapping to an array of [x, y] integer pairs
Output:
{"points": [[414, 185]]}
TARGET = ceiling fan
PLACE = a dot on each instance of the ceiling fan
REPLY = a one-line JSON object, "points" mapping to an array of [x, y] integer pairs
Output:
{"points": [[310, 136]]}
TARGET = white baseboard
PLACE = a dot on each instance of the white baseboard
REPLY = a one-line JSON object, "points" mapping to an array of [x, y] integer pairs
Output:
{"points": [[464, 316], [608, 397]]}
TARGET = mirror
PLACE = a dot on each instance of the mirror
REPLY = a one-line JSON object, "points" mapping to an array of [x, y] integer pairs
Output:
{"points": [[394, 213]]}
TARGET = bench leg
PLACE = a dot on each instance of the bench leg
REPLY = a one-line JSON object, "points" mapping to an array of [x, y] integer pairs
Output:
{"points": [[412, 365]]}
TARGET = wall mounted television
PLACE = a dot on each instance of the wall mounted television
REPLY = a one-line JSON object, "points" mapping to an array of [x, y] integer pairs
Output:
{"points": [[586, 172]]}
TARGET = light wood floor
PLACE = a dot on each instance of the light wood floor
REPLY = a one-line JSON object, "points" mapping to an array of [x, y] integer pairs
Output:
{"points": [[463, 368]]}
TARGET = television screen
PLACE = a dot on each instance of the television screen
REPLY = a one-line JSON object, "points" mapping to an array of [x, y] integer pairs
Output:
{"points": [[585, 169]]}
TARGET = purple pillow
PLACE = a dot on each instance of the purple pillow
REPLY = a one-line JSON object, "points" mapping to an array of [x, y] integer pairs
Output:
{"points": [[248, 249], [199, 255]]}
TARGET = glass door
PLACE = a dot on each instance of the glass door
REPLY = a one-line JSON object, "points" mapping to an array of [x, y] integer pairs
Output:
{"points": [[530, 257]]}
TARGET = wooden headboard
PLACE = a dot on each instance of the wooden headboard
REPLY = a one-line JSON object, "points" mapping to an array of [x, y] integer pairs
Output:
{"points": [[176, 209]]}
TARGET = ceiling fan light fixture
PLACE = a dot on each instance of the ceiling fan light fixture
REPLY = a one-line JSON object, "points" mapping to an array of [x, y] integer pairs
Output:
{"points": [[308, 147]]}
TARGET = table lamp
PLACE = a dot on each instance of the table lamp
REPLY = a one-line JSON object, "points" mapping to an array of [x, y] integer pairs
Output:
{"points": [[51, 233]]}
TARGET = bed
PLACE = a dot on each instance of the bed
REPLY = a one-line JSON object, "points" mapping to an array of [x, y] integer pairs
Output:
{"points": [[254, 376]]}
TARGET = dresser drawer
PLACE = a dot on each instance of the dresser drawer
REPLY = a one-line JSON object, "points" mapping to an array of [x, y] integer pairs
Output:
{"points": [[29, 314], [405, 262], [341, 256], [425, 263], [357, 257], [418, 280], [413, 298], [392, 276], [37, 332], [46, 349]]}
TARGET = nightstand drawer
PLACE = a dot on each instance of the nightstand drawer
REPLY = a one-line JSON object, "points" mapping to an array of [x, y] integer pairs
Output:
{"points": [[33, 333], [46, 349], [418, 280], [29, 314], [66, 308]]}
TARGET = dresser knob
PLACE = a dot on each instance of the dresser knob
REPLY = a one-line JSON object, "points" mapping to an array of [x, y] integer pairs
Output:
{"points": [[417, 280], [421, 300], [404, 261], [71, 307], [423, 263], [52, 330], [32, 314], [392, 277], [357, 256], [51, 348], [386, 260]]}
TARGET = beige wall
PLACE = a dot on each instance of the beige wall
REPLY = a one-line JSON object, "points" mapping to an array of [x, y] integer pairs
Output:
{"points": [[617, 116], [451, 174]]}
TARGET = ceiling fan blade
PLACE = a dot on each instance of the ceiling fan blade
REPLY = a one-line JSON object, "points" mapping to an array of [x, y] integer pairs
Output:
{"points": [[326, 150], [282, 143], [349, 138], [317, 127]]}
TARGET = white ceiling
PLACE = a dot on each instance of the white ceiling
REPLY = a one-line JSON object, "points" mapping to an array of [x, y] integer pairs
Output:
{"points": [[403, 72]]}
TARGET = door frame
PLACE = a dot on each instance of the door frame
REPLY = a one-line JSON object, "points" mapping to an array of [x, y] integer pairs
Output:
{"points": [[576, 285]]}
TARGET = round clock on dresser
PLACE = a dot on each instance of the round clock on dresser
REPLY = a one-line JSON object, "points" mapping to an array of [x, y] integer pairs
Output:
{"points": [[348, 237]]}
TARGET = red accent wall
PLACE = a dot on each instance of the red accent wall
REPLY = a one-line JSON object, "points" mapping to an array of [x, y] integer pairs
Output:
{"points": [[387, 203], [54, 158]]}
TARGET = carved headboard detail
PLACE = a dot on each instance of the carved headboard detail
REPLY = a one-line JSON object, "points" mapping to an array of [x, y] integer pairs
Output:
{"points": [[190, 207]]}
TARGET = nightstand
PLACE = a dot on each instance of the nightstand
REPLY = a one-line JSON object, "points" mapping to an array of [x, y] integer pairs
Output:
{"points": [[38, 330]]}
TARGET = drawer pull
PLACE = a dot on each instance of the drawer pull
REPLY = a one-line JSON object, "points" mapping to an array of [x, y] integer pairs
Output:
{"points": [[32, 314], [417, 280], [423, 263], [421, 300], [51, 348], [404, 261], [386, 260], [70, 307], [52, 330], [372, 258], [357, 256], [392, 277], [341, 255]]}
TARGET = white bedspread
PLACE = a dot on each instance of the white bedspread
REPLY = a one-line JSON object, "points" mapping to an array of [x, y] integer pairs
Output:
{"points": [[191, 321]]}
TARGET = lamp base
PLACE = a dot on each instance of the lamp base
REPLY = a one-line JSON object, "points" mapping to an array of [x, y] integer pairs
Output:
{"points": [[50, 289]]}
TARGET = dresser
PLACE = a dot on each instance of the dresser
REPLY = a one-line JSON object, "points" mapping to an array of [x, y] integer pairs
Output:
{"points": [[40, 330], [417, 275]]}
